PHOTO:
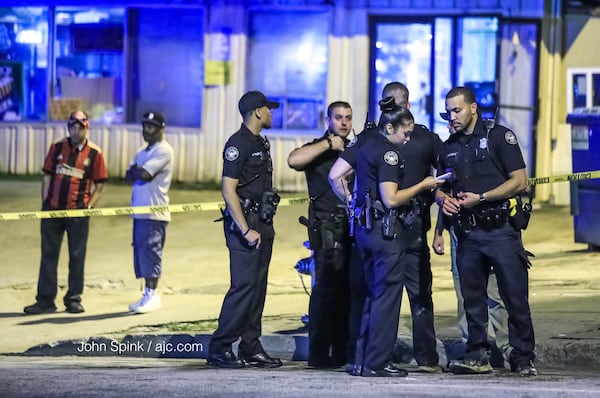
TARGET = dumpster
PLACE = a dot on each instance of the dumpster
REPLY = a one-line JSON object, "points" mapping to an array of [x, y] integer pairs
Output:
{"points": [[585, 194]]}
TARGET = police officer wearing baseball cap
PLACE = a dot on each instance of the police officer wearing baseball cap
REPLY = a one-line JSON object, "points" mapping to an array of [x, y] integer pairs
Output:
{"points": [[247, 188]]}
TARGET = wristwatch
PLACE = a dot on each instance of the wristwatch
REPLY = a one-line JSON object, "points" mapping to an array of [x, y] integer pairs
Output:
{"points": [[481, 198]]}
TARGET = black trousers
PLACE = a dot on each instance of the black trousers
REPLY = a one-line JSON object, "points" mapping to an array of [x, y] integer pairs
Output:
{"points": [[52, 232], [502, 249], [243, 304], [358, 295], [384, 268], [329, 300], [418, 288], [418, 284]]}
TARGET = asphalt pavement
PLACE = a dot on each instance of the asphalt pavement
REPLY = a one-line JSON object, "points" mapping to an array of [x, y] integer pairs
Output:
{"points": [[49, 377]]}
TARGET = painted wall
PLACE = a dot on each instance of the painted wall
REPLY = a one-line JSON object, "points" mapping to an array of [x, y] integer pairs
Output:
{"points": [[568, 43]]}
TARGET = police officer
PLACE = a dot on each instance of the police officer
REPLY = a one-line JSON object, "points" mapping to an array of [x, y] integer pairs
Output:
{"points": [[488, 169], [420, 155], [379, 174], [340, 174], [328, 232], [249, 234], [498, 316]]}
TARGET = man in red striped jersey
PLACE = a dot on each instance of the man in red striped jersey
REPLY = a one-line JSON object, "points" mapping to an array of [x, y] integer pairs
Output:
{"points": [[74, 178]]}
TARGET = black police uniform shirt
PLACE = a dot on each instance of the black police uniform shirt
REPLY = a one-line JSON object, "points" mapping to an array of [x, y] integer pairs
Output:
{"points": [[247, 158], [480, 161], [322, 197], [420, 155], [351, 152], [378, 161]]}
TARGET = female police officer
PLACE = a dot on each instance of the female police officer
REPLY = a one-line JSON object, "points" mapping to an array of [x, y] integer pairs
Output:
{"points": [[379, 170]]}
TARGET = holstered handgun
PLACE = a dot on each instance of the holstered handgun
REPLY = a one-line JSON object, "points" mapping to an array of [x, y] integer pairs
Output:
{"points": [[368, 210], [389, 223], [268, 205]]}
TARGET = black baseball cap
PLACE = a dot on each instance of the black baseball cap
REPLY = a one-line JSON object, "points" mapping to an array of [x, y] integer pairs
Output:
{"points": [[154, 118], [253, 100]]}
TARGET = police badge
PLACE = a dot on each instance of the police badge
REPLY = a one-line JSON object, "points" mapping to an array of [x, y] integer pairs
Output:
{"points": [[483, 143]]}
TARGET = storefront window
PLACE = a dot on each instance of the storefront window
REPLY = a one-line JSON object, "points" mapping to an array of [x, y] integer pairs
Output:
{"points": [[403, 53], [476, 64], [287, 60], [88, 63], [166, 64], [23, 63]]}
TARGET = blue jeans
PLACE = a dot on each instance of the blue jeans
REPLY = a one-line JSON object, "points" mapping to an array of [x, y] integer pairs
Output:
{"points": [[148, 242]]}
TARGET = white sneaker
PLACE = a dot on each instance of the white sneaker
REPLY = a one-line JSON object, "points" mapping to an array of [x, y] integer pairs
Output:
{"points": [[150, 301], [132, 307]]}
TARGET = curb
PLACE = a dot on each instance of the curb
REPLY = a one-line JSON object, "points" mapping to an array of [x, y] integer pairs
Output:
{"points": [[286, 347], [295, 348], [564, 352]]}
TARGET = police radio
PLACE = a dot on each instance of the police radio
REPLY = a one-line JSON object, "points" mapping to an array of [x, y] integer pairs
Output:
{"points": [[368, 124]]}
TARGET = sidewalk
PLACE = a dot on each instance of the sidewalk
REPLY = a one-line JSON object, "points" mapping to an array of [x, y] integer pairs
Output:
{"points": [[564, 289]]}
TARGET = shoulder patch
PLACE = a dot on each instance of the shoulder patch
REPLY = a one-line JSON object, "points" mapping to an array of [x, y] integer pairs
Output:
{"points": [[510, 137], [231, 153], [391, 158]]}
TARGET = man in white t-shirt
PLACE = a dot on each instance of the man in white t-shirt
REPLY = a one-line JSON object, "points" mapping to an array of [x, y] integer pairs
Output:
{"points": [[150, 172]]}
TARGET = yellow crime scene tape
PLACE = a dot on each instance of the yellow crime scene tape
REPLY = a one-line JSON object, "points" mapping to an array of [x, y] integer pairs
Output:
{"points": [[584, 175], [124, 211], [191, 207]]}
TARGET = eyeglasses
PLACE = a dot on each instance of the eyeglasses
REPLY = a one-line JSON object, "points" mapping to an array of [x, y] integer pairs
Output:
{"points": [[74, 120]]}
